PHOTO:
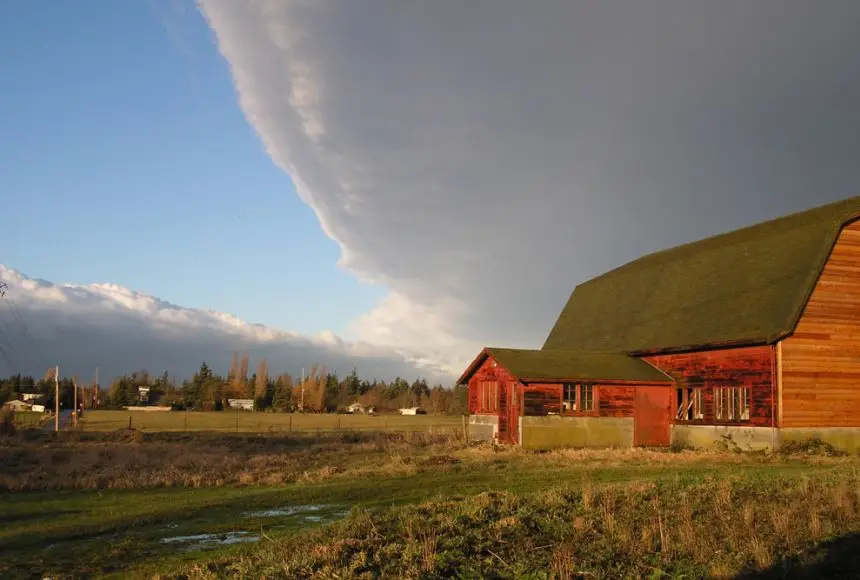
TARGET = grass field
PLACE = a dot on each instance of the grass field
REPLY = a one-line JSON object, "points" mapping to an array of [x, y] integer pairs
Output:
{"points": [[409, 505], [250, 422]]}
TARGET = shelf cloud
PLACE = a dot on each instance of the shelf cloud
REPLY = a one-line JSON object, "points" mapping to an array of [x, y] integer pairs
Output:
{"points": [[119, 330], [481, 158]]}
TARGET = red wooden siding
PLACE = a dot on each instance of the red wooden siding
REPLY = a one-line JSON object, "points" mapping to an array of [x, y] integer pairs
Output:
{"points": [[752, 367], [487, 372], [821, 360], [615, 401], [541, 399], [609, 400]]}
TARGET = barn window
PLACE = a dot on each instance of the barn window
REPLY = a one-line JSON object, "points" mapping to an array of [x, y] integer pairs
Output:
{"points": [[577, 397], [568, 397], [488, 396], [731, 403], [690, 404]]}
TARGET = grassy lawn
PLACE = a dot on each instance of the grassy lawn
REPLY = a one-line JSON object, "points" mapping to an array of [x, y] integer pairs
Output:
{"points": [[250, 422], [70, 517]]}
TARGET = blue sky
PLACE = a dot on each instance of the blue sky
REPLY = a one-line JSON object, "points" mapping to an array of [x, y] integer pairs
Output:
{"points": [[125, 158]]}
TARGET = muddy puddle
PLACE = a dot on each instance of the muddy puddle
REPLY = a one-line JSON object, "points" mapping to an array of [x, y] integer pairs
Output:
{"points": [[307, 512], [311, 513], [209, 541]]}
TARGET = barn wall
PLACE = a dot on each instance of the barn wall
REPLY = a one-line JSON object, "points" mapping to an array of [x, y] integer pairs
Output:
{"points": [[749, 366], [540, 399], [821, 361], [555, 431], [483, 427], [486, 372], [843, 438], [610, 425], [706, 436]]}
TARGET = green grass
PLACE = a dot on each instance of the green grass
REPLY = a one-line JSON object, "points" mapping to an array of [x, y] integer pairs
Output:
{"points": [[716, 527], [118, 532], [250, 422]]}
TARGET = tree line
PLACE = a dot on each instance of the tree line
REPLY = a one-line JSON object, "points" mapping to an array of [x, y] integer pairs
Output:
{"points": [[317, 392]]}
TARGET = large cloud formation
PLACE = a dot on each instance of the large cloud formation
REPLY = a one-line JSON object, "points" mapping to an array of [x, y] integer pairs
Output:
{"points": [[121, 331], [480, 158]]}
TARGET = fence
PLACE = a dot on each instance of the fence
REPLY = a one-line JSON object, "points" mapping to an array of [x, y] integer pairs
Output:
{"points": [[254, 422]]}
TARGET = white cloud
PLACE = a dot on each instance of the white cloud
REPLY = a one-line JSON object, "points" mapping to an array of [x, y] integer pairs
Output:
{"points": [[120, 330], [480, 158]]}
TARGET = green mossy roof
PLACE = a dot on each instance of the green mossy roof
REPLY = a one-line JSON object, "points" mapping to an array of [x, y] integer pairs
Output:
{"points": [[561, 365], [748, 286]]}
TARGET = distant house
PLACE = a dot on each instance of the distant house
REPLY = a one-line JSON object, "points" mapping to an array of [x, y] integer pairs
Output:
{"points": [[30, 396], [751, 335], [355, 408], [244, 404], [413, 411], [143, 393], [18, 405], [38, 408]]}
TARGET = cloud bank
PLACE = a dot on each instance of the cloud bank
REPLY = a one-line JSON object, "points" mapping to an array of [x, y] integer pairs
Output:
{"points": [[121, 331], [481, 158]]}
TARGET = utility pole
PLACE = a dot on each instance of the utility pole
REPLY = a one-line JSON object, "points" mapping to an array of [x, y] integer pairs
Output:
{"points": [[94, 403], [302, 404], [75, 408], [57, 399]]}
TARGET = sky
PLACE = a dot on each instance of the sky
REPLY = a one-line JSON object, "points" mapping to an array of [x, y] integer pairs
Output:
{"points": [[424, 177]]}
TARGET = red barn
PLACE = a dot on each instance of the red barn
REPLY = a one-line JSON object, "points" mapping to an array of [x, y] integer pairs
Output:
{"points": [[751, 336]]}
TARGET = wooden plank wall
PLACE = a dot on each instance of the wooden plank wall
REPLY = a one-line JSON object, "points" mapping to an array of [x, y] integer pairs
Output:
{"points": [[611, 400], [821, 360], [487, 372], [541, 399], [615, 401], [749, 366]]}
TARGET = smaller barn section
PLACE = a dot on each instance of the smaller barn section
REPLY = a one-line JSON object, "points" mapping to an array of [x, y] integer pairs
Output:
{"points": [[545, 399]]}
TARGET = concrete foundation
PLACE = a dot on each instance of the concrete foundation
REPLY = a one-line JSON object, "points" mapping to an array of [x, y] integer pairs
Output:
{"points": [[483, 427], [845, 439], [555, 431], [703, 436]]}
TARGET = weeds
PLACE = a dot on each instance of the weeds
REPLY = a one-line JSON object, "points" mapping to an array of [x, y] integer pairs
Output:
{"points": [[626, 531]]}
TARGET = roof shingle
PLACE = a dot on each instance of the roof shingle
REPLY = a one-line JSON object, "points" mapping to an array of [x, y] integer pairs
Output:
{"points": [[748, 286]]}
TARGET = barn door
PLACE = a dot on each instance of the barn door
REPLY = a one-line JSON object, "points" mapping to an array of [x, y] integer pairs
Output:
{"points": [[652, 415]]}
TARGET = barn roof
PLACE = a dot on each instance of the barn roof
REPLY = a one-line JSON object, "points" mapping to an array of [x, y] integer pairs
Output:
{"points": [[748, 286], [541, 365]]}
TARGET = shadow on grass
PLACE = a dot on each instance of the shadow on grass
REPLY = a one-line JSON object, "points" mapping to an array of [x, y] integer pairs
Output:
{"points": [[837, 558]]}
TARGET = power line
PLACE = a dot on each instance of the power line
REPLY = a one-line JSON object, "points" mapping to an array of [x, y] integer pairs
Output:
{"points": [[34, 353]]}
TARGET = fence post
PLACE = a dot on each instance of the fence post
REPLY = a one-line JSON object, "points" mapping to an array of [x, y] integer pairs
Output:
{"points": [[290, 424], [465, 430], [129, 421]]}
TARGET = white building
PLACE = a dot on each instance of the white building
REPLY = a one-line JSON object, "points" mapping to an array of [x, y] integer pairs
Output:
{"points": [[18, 405], [244, 404]]}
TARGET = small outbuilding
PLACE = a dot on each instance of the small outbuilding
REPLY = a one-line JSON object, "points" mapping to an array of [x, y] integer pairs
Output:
{"points": [[17, 405], [242, 404]]}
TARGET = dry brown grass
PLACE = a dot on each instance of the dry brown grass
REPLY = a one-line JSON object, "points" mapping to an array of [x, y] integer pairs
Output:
{"points": [[135, 460]]}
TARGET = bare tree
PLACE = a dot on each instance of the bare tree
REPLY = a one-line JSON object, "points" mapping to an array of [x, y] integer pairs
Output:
{"points": [[262, 381]]}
